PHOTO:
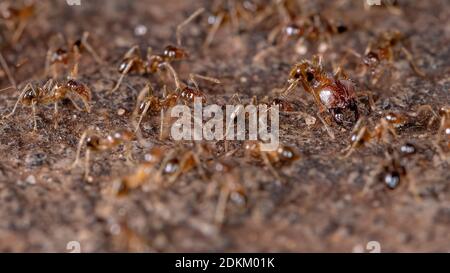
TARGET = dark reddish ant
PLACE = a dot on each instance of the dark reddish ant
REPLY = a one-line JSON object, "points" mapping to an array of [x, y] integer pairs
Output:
{"points": [[335, 93], [95, 143], [69, 56], [53, 92], [16, 19], [383, 52]]}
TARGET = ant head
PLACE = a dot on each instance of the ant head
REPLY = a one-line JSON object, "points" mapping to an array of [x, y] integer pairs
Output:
{"points": [[371, 58], [174, 53], [286, 154]]}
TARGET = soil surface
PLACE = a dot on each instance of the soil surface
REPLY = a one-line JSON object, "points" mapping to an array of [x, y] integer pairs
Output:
{"points": [[322, 202]]}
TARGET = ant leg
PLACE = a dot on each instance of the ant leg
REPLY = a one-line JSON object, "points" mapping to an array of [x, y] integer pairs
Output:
{"points": [[7, 71], [90, 49], [186, 22], [80, 146], [270, 166], [122, 75], [55, 115], [146, 107], [370, 99], [25, 89], [219, 215], [192, 77], [33, 109], [213, 30], [161, 125], [19, 31], [413, 65], [327, 128], [174, 74], [87, 158]]}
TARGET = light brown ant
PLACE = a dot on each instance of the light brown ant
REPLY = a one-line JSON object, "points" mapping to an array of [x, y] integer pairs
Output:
{"points": [[232, 12], [385, 126], [69, 56], [334, 93], [16, 18], [53, 92], [147, 101], [96, 143], [146, 171], [133, 61], [382, 53], [282, 155], [231, 188], [313, 27]]}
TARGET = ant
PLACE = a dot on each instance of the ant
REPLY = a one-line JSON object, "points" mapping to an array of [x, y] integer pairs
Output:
{"points": [[143, 173], [230, 11], [96, 143], [383, 52], [146, 101], [335, 93], [133, 61], [230, 188], [282, 155], [386, 125], [393, 170], [16, 18], [53, 92], [312, 27], [64, 56]]}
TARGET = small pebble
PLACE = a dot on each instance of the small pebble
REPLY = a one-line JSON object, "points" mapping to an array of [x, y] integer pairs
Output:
{"points": [[121, 112]]}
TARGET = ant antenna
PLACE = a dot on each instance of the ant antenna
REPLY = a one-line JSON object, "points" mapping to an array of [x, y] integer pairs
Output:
{"points": [[186, 22]]}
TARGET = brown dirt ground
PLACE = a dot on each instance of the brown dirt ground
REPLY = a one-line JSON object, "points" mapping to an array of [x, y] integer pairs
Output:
{"points": [[319, 206]]}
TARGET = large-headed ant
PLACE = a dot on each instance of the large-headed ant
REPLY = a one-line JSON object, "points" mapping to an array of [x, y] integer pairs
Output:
{"points": [[53, 92], [96, 143], [334, 93]]}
